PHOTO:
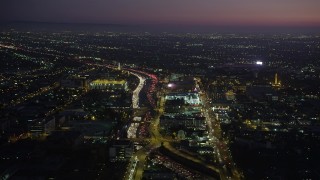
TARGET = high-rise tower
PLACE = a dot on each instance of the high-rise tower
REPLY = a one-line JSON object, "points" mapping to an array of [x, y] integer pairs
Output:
{"points": [[276, 82]]}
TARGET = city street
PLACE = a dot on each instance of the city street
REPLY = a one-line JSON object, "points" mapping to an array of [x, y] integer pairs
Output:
{"points": [[223, 155]]}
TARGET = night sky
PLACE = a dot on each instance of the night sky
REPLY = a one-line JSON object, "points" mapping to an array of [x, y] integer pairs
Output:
{"points": [[184, 12]]}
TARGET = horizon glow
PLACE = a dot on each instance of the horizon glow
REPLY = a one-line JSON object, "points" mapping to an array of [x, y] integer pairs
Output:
{"points": [[177, 12]]}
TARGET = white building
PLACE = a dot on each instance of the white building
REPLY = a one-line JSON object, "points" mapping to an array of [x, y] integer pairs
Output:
{"points": [[189, 98]]}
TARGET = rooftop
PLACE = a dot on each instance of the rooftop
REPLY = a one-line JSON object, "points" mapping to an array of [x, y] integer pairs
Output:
{"points": [[105, 81]]}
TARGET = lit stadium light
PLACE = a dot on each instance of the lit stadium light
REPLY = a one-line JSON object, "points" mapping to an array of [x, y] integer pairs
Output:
{"points": [[259, 63], [170, 85]]}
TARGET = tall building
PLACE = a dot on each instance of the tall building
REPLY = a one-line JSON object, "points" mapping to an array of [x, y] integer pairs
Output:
{"points": [[277, 82]]}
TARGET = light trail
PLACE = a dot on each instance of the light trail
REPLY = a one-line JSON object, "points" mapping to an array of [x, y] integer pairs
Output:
{"points": [[136, 92]]}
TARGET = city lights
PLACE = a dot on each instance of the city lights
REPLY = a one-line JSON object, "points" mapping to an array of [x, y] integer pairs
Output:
{"points": [[259, 63], [144, 105]]}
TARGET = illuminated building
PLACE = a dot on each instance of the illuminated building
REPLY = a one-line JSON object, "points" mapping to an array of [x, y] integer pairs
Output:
{"points": [[189, 122], [189, 98], [276, 83], [230, 95], [110, 85]]}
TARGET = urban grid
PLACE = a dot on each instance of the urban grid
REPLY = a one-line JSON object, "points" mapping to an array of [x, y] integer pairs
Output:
{"points": [[150, 90]]}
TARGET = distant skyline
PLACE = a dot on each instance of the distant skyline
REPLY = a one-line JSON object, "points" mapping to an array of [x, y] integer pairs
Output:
{"points": [[297, 13]]}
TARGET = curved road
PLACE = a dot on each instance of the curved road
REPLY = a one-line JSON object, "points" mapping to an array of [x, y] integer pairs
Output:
{"points": [[139, 158], [136, 92]]}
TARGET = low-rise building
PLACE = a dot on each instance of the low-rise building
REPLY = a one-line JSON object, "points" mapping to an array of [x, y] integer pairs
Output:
{"points": [[189, 98], [189, 122], [110, 85], [42, 126], [120, 150]]}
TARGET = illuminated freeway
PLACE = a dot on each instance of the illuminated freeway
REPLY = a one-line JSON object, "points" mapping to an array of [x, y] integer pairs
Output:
{"points": [[155, 142], [136, 92], [138, 161]]}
